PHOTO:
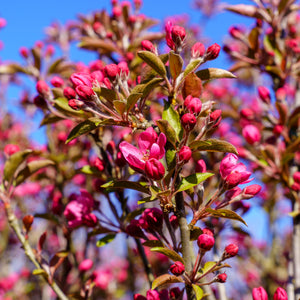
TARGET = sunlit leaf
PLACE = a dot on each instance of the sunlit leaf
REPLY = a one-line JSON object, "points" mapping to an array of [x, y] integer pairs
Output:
{"points": [[122, 184], [165, 279], [153, 61], [105, 240], [214, 73], [192, 180], [213, 145], [198, 292], [169, 253], [165, 127], [225, 213]]}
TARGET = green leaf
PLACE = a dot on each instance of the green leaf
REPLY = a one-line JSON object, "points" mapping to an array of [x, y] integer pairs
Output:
{"points": [[169, 253], [100, 230], [54, 68], [171, 115], [145, 200], [225, 213], [192, 180], [165, 127], [47, 216], [107, 94], [253, 39], [175, 64], [165, 279], [207, 266], [195, 232], [153, 61], [90, 170], [192, 66], [213, 145], [31, 168], [122, 184], [171, 159], [13, 163], [62, 105], [120, 106], [82, 128], [132, 100], [198, 291], [154, 243], [214, 73], [134, 214], [105, 240], [50, 119], [39, 272]]}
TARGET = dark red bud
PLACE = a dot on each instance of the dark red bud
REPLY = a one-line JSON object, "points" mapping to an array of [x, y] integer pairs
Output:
{"points": [[222, 277], [27, 222], [69, 93], [213, 51], [177, 268], [184, 154], [154, 169], [231, 250], [205, 242], [188, 121], [85, 92]]}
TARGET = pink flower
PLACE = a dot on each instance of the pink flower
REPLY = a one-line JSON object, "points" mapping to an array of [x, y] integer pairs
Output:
{"points": [[168, 28], [78, 212], [150, 146], [229, 166], [280, 294], [251, 134], [85, 265]]}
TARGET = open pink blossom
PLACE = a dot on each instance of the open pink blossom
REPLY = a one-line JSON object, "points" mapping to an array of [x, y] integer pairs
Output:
{"points": [[150, 146]]}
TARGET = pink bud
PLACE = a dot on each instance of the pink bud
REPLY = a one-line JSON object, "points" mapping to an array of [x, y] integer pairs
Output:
{"points": [[222, 277], [81, 79], [73, 103], [251, 134], [178, 34], [200, 166], [57, 81], [85, 265], [111, 71], [235, 32], [69, 93], [153, 295], [216, 117], [296, 177], [154, 169], [174, 221], [259, 294], [264, 94], [117, 11], [205, 242], [252, 190], [198, 50], [2, 22], [99, 164], [208, 231], [233, 179], [148, 46], [134, 229], [123, 68], [10, 149], [85, 92], [247, 113], [212, 52], [280, 294], [153, 218], [277, 130], [137, 3], [177, 268], [139, 297], [231, 250], [42, 87], [188, 121], [24, 52], [184, 154], [193, 105]]}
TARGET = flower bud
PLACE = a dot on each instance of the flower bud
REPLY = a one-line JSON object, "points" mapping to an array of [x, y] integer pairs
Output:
{"points": [[123, 68], [251, 190], [27, 222], [81, 79], [215, 117], [85, 92], [85, 265], [233, 179], [116, 11], [134, 229], [296, 177], [57, 81], [205, 242], [99, 164], [264, 94], [200, 166], [222, 277], [277, 130], [259, 294], [153, 218], [235, 32], [148, 46], [24, 52], [251, 134], [280, 294], [178, 34], [39, 101], [198, 50], [153, 295], [154, 169], [193, 105], [188, 121], [184, 154], [212, 52], [139, 297], [73, 103], [177, 268], [207, 231], [174, 221], [111, 71], [247, 113], [10, 149], [69, 93], [42, 88], [231, 250]]}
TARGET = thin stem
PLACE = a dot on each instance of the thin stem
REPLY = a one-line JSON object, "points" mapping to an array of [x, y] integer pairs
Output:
{"points": [[13, 222]]}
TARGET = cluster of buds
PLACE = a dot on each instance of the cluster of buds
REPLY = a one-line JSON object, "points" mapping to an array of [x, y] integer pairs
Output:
{"points": [[261, 294]]}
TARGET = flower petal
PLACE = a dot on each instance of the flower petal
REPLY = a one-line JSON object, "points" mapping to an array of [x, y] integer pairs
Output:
{"points": [[133, 155]]}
